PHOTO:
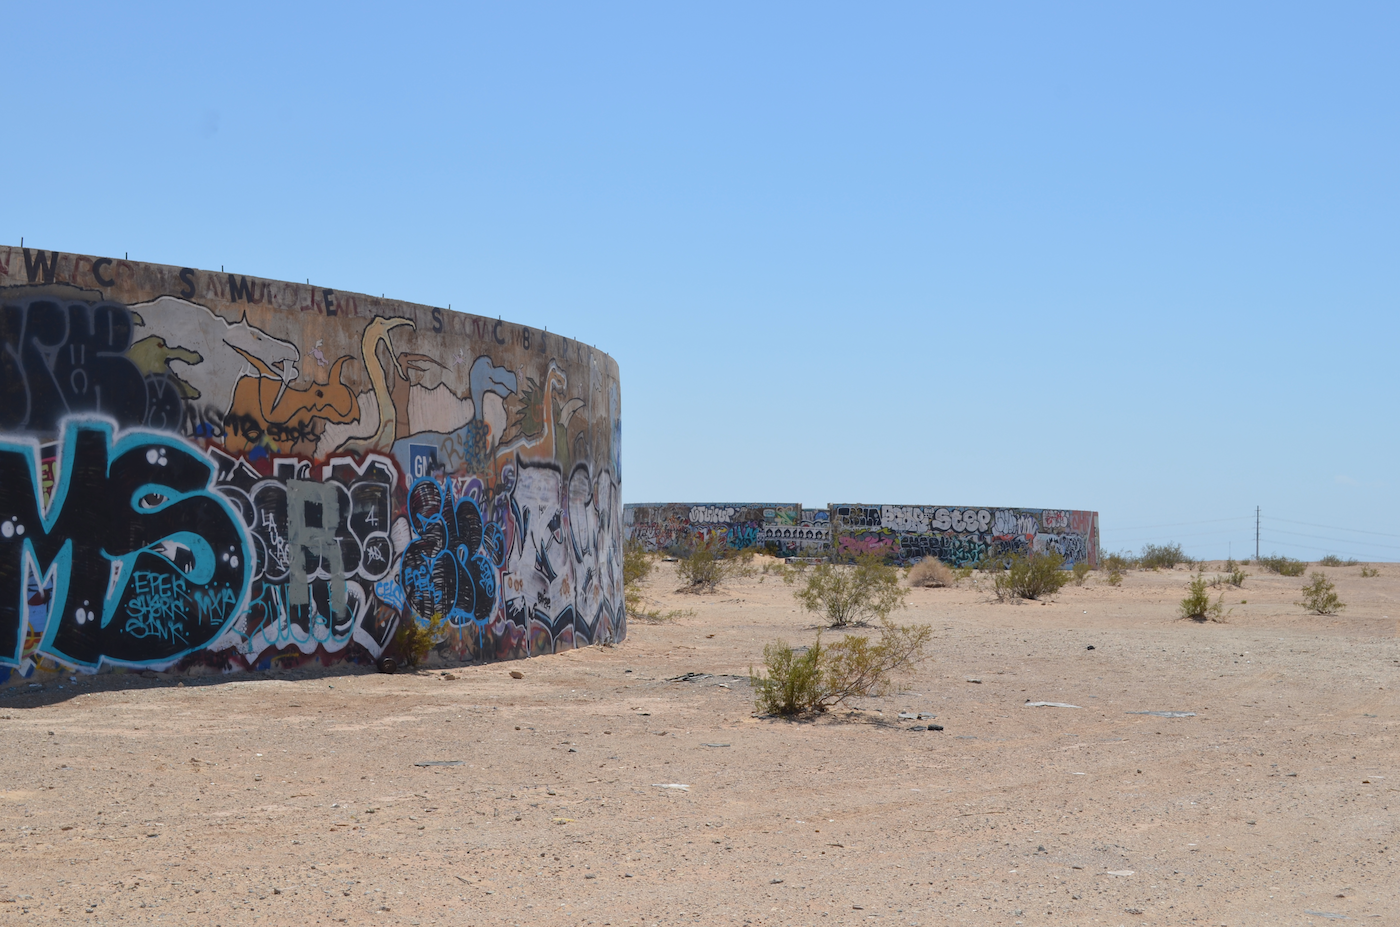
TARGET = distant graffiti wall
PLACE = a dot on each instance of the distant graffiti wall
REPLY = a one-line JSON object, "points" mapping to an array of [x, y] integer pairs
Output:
{"points": [[676, 526], [207, 472], [956, 535], [963, 535]]}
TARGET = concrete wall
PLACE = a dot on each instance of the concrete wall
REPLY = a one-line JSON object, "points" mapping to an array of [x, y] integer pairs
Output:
{"points": [[679, 525], [962, 535], [956, 535], [206, 471]]}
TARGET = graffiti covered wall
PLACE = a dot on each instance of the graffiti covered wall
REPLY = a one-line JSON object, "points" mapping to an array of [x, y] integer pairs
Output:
{"points": [[962, 536], [206, 472], [680, 525], [959, 536]]}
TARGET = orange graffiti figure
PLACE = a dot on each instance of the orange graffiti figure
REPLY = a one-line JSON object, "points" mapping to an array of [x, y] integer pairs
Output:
{"points": [[268, 413]]}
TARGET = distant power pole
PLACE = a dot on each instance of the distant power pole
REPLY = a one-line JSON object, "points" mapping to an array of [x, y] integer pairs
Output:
{"points": [[1256, 532]]}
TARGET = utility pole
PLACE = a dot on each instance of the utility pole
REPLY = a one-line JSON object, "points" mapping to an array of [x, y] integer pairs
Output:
{"points": [[1256, 532]]}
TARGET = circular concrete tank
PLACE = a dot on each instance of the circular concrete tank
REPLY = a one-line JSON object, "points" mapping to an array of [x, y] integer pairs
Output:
{"points": [[205, 472]]}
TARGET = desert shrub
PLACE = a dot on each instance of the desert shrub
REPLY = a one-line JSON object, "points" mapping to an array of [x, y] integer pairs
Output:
{"points": [[1120, 561], [826, 675], [710, 563], [1368, 572], [931, 572], [1233, 578], [637, 563], [1320, 596], [1161, 556], [1114, 578], [1284, 566], [1079, 572], [1031, 577], [852, 594], [1333, 560], [413, 639], [1197, 605], [793, 681]]}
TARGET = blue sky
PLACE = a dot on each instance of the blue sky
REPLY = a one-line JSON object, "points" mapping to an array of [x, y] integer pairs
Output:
{"points": [[1117, 257]]}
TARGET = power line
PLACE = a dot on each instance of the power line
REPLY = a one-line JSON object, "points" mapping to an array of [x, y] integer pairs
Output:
{"points": [[1179, 524], [1329, 550], [1319, 537], [1194, 534], [1333, 527]]}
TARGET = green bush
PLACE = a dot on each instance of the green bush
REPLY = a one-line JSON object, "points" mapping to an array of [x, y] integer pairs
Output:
{"points": [[709, 564], [1368, 572], [1161, 556], [637, 564], [1197, 605], [1284, 566], [1114, 578], [853, 594], [1333, 560], [793, 683], [1080, 572], [413, 639], [1031, 577], [1320, 596], [826, 675], [1120, 562], [1234, 578]]}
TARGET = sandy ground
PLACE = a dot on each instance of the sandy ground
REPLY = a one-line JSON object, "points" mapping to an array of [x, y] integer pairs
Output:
{"points": [[295, 798]]}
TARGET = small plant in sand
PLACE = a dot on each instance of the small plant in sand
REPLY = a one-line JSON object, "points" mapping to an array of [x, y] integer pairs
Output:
{"points": [[827, 674], [1320, 596], [1283, 566], [1369, 572], [413, 639], [1031, 577], [1161, 556], [1114, 578], [709, 564], [1234, 578], [1079, 572], [1333, 560], [1197, 605], [1120, 561], [637, 564], [855, 594], [932, 573]]}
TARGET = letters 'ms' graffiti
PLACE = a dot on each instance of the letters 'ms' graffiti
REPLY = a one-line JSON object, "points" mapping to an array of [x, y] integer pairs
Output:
{"points": [[133, 560]]}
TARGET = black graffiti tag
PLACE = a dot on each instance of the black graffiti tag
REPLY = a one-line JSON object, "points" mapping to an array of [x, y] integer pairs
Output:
{"points": [[148, 564]]}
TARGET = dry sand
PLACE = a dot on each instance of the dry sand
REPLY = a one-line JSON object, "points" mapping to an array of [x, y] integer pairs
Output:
{"points": [[295, 799]]}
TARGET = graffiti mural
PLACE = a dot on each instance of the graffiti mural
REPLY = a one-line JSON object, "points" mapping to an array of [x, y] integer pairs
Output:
{"points": [[679, 526], [962, 536], [205, 472]]}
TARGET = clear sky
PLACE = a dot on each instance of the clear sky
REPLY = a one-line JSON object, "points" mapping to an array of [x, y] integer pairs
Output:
{"points": [[1126, 257]]}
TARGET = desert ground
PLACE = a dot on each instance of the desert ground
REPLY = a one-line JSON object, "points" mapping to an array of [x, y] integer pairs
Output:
{"points": [[634, 784]]}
